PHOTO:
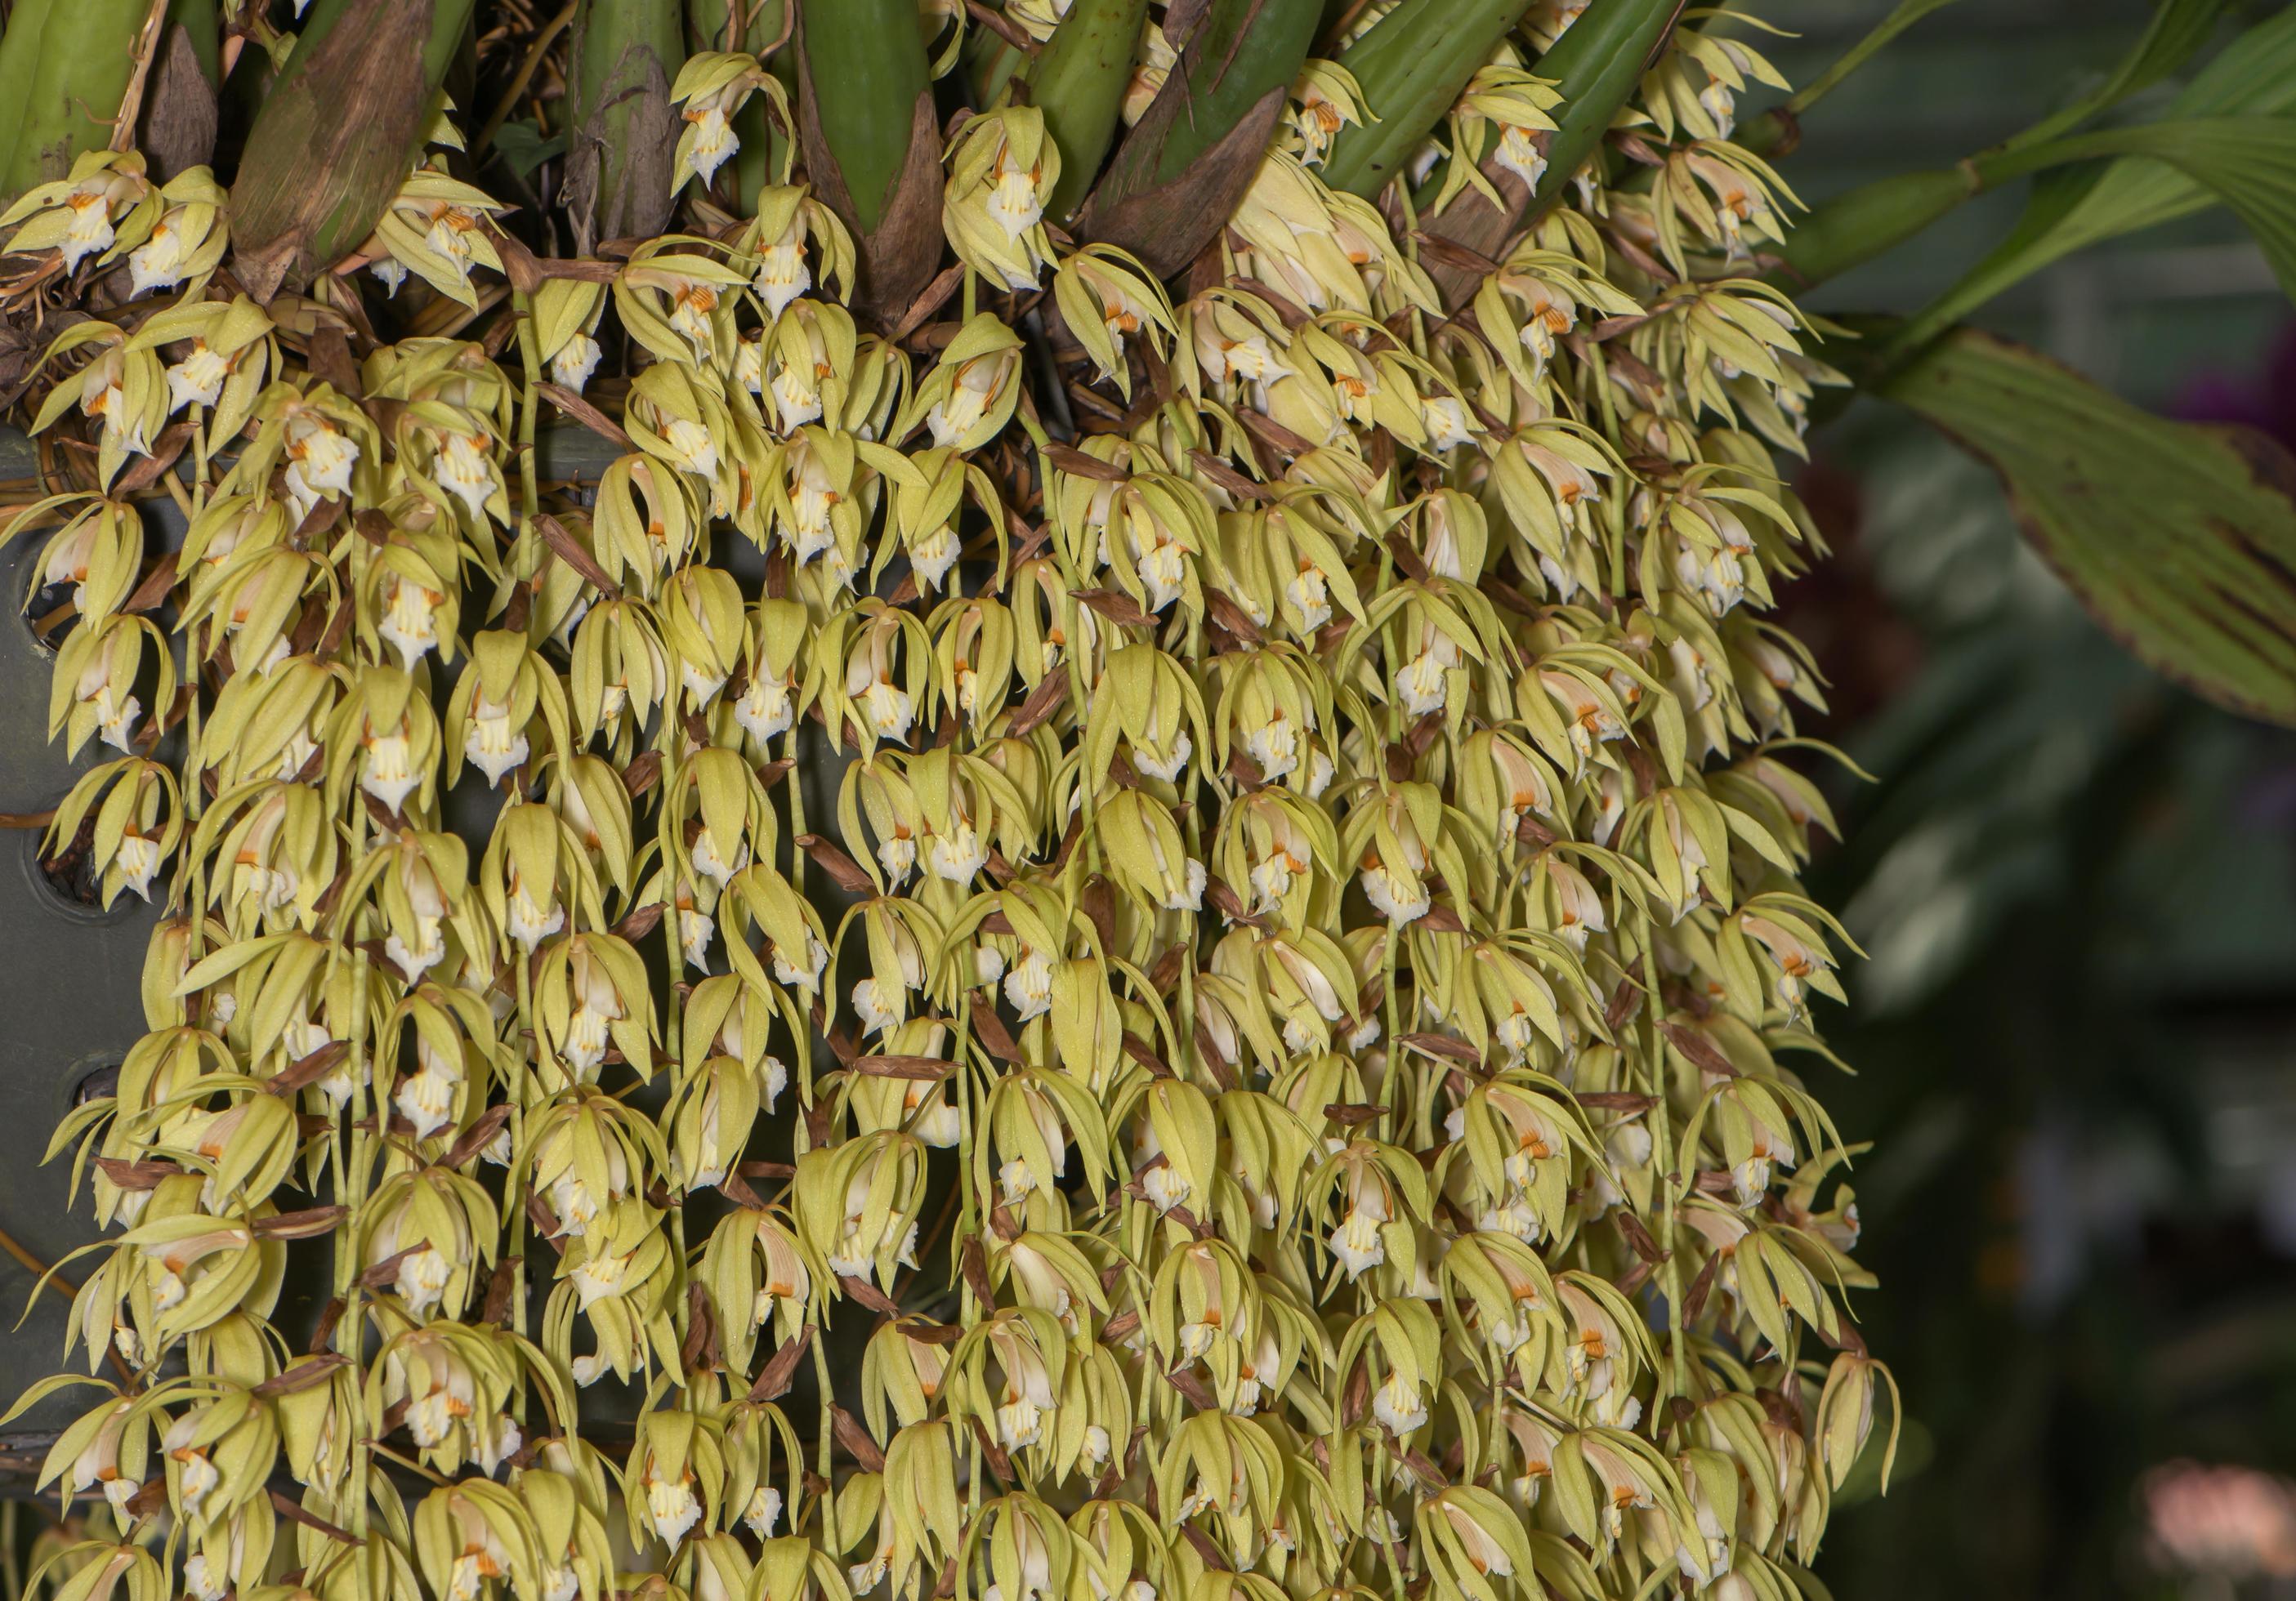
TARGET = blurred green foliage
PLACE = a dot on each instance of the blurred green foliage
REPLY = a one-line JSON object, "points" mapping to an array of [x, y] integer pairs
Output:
{"points": [[2076, 1041]]}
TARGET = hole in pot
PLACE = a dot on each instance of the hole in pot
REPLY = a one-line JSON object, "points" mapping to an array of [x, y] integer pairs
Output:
{"points": [[51, 616], [70, 871]]}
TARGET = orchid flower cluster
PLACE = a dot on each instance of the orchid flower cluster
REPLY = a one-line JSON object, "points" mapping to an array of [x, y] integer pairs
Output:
{"points": [[1186, 983]]}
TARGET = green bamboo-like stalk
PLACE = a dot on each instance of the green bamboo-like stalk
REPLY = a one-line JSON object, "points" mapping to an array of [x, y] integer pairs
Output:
{"points": [[1411, 66], [64, 67], [339, 133], [1077, 81], [1251, 48], [623, 135], [1597, 66], [872, 140], [20, 65]]}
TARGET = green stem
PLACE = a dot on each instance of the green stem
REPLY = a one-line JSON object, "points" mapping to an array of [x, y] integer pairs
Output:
{"points": [[801, 1035], [1668, 1184], [526, 556], [536, 52], [1990, 170], [825, 1463], [1772, 131], [523, 1081], [350, 1329], [991, 63]]}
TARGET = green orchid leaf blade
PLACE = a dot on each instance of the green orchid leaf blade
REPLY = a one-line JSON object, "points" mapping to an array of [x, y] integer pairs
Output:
{"points": [[2247, 162], [2071, 209], [2178, 30], [2178, 538]]}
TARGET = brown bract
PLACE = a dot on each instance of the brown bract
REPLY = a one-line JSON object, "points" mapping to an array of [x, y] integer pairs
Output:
{"points": [[331, 145]]}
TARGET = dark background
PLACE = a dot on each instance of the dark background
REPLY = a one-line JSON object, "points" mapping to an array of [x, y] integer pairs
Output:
{"points": [[2076, 1036]]}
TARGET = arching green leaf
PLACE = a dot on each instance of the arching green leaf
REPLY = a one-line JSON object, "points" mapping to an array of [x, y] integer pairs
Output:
{"points": [[2179, 538]]}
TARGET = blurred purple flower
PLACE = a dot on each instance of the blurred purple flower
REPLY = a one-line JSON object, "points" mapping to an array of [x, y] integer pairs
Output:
{"points": [[2263, 398]]}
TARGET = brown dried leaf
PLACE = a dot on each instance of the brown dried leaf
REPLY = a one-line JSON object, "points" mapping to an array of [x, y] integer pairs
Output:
{"points": [[918, 1069], [774, 1380], [1071, 460], [1166, 224], [843, 871], [587, 415], [855, 1439], [1698, 1049], [574, 554]]}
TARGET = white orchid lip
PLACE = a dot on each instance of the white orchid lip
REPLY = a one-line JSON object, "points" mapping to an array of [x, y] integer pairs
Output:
{"points": [[571, 367], [198, 379]]}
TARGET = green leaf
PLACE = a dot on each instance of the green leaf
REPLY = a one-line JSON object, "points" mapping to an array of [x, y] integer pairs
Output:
{"points": [[1876, 218], [2254, 75], [2179, 538], [1411, 66], [523, 147], [2247, 162], [1178, 174], [2178, 30], [1078, 81]]}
